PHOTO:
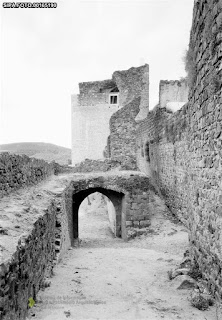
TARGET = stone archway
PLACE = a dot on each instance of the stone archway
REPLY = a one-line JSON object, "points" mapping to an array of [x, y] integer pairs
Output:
{"points": [[118, 200], [130, 193]]}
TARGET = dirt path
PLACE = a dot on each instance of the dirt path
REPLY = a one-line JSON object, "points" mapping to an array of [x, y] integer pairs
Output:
{"points": [[106, 278]]}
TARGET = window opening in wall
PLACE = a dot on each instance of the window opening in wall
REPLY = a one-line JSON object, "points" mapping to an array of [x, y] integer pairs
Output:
{"points": [[147, 152], [113, 99]]}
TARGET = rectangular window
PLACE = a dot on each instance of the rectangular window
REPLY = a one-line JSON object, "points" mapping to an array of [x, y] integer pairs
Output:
{"points": [[113, 99]]}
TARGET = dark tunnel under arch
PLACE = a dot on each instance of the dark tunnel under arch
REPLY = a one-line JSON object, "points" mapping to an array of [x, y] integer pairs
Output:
{"points": [[118, 200]]}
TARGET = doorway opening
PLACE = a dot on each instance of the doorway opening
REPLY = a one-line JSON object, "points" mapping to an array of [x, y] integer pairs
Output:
{"points": [[98, 211], [97, 218]]}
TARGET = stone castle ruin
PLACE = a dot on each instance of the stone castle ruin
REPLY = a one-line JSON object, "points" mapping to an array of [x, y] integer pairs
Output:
{"points": [[105, 119], [97, 102], [173, 150]]}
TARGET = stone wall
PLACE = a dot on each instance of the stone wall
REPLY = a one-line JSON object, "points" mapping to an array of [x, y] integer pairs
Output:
{"points": [[163, 154], [148, 132], [122, 143], [34, 236], [19, 171], [96, 166], [92, 110], [131, 194], [94, 92], [93, 99], [184, 154], [133, 83], [205, 142], [91, 87], [39, 225], [22, 274]]}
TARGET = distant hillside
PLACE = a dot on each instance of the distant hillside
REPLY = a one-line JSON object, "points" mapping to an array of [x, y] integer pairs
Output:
{"points": [[39, 150]]}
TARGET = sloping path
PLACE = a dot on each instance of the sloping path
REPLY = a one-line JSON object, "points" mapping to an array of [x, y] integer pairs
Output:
{"points": [[106, 278]]}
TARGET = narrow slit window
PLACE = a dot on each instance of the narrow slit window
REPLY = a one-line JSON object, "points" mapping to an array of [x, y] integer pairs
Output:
{"points": [[147, 152]]}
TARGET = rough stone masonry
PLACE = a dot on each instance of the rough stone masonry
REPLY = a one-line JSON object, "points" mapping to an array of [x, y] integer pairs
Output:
{"points": [[182, 150], [39, 225], [97, 101]]}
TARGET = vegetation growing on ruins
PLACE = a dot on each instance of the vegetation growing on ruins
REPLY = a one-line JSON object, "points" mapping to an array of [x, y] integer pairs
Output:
{"points": [[175, 127], [190, 66]]}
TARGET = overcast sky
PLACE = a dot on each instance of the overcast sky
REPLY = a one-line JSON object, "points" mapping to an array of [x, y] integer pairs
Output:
{"points": [[46, 52]]}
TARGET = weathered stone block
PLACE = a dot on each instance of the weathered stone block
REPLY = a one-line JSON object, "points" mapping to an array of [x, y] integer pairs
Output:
{"points": [[145, 223], [136, 223], [129, 224]]}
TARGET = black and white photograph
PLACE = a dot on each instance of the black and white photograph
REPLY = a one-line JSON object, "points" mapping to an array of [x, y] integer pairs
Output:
{"points": [[111, 160]]}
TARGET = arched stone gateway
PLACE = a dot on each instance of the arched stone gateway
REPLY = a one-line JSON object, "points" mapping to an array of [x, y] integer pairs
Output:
{"points": [[117, 199], [49, 212], [130, 193]]}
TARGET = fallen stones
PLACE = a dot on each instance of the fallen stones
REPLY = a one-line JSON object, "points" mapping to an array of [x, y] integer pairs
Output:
{"points": [[186, 277], [177, 272], [135, 232], [45, 284], [180, 277], [201, 301], [186, 262], [183, 282]]}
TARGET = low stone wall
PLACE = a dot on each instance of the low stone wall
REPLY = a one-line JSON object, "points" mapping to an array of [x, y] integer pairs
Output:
{"points": [[34, 237], [19, 171], [22, 275], [95, 166], [90, 165]]}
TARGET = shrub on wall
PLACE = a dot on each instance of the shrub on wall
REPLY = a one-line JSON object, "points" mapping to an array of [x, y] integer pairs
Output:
{"points": [[190, 66]]}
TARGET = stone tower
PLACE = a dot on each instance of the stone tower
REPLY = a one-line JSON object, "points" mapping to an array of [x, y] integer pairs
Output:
{"points": [[97, 101]]}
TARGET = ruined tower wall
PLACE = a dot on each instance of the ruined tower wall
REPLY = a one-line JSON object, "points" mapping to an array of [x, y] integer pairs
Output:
{"points": [[122, 141], [133, 83], [134, 89], [93, 93], [185, 155], [93, 108]]}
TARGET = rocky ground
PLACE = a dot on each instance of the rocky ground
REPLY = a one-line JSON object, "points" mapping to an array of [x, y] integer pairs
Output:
{"points": [[103, 277]]}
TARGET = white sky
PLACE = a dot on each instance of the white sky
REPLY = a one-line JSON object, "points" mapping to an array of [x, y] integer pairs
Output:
{"points": [[46, 52]]}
